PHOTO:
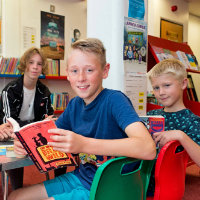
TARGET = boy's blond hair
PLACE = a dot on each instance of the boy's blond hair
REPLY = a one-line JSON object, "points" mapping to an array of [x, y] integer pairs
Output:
{"points": [[26, 57], [168, 66], [91, 45]]}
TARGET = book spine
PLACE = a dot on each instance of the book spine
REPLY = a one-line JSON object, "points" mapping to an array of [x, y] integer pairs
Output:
{"points": [[29, 151]]}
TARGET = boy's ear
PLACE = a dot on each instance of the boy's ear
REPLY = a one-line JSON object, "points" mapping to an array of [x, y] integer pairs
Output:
{"points": [[185, 82], [106, 70]]}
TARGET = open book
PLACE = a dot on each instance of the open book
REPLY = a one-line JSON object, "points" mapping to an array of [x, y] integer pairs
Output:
{"points": [[34, 138]]}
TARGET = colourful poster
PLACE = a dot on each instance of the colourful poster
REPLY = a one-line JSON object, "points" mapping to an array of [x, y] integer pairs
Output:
{"points": [[52, 35], [135, 44]]}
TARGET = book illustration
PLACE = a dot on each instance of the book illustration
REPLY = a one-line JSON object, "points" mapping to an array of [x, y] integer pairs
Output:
{"points": [[163, 54], [34, 138], [183, 58], [192, 62], [154, 123]]}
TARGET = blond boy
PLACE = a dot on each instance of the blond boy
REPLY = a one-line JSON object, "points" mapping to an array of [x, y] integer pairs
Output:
{"points": [[97, 122], [169, 80]]}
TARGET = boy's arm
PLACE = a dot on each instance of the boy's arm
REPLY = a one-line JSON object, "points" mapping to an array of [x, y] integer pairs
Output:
{"points": [[192, 148], [139, 143]]}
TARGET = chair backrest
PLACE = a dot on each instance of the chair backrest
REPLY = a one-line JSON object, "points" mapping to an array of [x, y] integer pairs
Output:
{"points": [[170, 172], [146, 170], [109, 182]]}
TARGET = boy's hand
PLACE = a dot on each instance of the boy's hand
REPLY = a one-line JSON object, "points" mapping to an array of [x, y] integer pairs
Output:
{"points": [[6, 132], [18, 148], [163, 137], [66, 141]]}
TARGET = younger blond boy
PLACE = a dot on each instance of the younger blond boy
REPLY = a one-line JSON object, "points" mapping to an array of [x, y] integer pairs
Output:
{"points": [[169, 80]]}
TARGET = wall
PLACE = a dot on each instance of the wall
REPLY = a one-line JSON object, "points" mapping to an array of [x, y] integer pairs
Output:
{"points": [[193, 35], [20, 13], [106, 22], [158, 9]]}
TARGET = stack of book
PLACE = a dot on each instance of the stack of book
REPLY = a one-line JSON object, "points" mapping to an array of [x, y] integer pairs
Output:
{"points": [[59, 100], [9, 65], [53, 67]]}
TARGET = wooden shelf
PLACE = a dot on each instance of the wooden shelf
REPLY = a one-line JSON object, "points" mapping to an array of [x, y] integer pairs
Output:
{"points": [[56, 77], [57, 112], [41, 77]]}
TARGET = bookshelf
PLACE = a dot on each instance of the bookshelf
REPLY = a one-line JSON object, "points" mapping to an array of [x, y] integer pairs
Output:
{"points": [[194, 106]]}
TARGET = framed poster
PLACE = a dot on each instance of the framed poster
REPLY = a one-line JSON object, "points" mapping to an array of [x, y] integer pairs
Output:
{"points": [[52, 35], [171, 31]]}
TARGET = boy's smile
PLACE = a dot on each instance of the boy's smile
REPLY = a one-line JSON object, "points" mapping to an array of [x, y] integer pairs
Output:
{"points": [[85, 74], [169, 91]]}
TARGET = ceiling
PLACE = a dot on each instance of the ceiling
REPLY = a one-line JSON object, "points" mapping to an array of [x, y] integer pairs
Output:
{"points": [[194, 7]]}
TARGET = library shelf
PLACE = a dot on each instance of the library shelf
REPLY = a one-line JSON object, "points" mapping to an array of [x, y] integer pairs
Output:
{"points": [[58, 112], [194, 106], [56, 77], [16, 76]]}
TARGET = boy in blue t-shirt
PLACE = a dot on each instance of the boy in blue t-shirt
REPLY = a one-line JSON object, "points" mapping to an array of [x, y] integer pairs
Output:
{"points": [[169, 79], [98, 124]]}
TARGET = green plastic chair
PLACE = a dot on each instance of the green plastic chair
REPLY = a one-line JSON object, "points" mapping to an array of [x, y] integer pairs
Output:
{"points": [[109, 183], [146, 170]]}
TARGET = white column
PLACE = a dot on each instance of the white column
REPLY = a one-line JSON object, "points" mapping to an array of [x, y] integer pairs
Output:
{"points": [[105, 21]]}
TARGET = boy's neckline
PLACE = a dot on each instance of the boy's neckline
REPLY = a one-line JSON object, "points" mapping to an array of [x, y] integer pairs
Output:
{"points": [[175, 111]]}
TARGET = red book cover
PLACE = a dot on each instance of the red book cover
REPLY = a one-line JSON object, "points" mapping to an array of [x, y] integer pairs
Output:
{"points": [[34, 137], [154, 123]]}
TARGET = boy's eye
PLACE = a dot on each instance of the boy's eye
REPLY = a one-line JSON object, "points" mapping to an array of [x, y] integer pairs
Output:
{"points": [[167, 85], [89, 70], [74, 71], [156, 88]]}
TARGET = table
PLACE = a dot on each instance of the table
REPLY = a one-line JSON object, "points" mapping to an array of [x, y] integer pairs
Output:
{"points": [[7, 163]]}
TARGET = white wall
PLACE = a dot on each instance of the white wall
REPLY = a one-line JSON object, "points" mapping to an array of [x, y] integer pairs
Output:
{"points": [[20, 13], [158, 9], [105, 20], [194, 35]]}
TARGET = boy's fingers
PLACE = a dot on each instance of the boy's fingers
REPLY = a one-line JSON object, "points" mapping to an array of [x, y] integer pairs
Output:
{"points": [[57, 131]]}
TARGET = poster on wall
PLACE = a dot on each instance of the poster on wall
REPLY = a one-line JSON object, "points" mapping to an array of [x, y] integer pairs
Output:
{"points": [[136, 90], [76, 35], [135, 45], [29, 37], [136, 9], [52, 35]]}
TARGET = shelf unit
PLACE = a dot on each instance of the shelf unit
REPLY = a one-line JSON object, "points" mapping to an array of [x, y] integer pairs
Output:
{"points": [[41, 77], [173, 46]]}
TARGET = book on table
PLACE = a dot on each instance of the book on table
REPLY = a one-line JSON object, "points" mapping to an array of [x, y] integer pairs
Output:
{"points": [[34, 138], [7, 148]]}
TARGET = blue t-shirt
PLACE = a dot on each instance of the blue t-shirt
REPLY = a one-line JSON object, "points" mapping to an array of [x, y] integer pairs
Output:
{"points": [[106, 117]]}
